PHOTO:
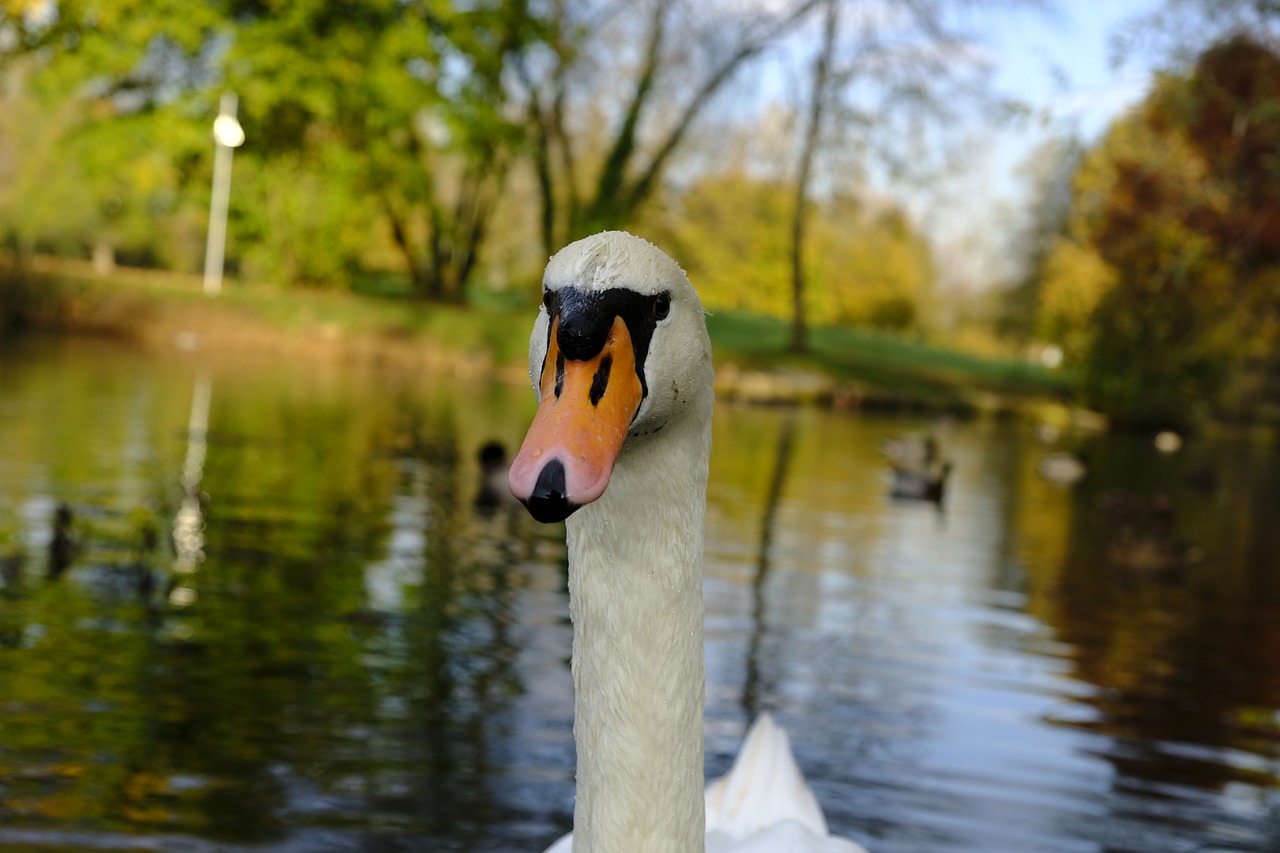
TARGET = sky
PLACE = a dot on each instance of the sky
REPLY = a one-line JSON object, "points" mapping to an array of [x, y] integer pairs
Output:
{"points": [[1061, 62], [1059, 65]]}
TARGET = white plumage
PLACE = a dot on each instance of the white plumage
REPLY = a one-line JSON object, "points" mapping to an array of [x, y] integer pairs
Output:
{"points": [[763, 804], [635, 564]]}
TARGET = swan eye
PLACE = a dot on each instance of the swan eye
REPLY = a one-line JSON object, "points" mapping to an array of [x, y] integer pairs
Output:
{"points": [[546, 300], [661, 306]]}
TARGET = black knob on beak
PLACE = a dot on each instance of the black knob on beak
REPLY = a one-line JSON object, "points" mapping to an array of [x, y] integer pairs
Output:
{"points": [[548, 502]]}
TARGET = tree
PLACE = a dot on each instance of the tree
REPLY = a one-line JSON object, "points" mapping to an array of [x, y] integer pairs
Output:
{"points": [[870, 267], [1036, 241], [874, 267], [608, 113], [1151, 356], [408, 96], [880, 78], [395, 108], [1177, 32], [1174, 227], [98, 144]]}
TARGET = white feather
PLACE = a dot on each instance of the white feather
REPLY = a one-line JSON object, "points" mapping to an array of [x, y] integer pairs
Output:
{"points": [[635, 586], [763, 804]]}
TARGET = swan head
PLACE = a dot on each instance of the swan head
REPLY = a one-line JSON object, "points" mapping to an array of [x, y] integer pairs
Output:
{"points": [[618, 353]]}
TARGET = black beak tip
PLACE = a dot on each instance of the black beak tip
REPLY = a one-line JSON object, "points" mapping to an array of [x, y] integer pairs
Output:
{"points": [[548, 502]]}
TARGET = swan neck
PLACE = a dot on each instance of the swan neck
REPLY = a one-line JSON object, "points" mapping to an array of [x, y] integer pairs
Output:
{"points": [[635, 588]]}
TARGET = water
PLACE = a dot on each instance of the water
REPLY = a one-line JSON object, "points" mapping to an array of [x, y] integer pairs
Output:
{"points": [[323, 645]]}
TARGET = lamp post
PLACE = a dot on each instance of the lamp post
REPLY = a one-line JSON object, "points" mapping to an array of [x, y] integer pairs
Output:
{"points": [[228, 135]]}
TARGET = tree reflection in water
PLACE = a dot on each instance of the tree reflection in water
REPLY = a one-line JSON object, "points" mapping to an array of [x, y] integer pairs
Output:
{"points": [[1185, 661]]}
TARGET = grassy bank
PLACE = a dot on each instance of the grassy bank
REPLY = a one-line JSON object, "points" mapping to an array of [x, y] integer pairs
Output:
{"points": [[884, 370], [846, 367], [162, 309]]}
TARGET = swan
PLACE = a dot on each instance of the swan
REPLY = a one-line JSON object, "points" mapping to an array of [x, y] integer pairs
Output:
{"points": [[619, 450]]}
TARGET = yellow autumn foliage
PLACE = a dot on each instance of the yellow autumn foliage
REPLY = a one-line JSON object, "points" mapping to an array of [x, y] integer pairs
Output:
{"points": [[1074, 280], [864, 266]]}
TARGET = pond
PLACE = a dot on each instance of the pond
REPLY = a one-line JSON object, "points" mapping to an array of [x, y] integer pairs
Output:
{"points": [[275, 618]]}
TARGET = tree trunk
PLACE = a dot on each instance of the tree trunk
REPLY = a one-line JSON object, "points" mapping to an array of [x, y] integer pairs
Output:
{"points": [[817, 104]]}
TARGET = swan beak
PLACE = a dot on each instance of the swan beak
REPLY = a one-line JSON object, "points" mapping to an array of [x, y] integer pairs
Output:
{"points": [[585, 409]]}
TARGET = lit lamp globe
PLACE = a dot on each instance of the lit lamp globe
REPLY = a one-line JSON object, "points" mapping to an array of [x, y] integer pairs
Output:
{"points": [[227, 131]]}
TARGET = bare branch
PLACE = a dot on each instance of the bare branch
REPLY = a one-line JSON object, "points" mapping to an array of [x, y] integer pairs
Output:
{"points": [[614, 172], [645, 183]]}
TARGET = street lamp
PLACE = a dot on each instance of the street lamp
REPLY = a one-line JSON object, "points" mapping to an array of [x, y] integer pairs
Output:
{"points": [[228, 135]]}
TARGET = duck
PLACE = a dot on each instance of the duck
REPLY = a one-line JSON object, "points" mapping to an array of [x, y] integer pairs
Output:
{"points": [[1136, 509], [910, 451], [1142, 553], [928, 485], [1062, 468], [143, 569], [918, 471], [619, 450], [1145, 539], [492, 492], [62, 545], [11, 562]]}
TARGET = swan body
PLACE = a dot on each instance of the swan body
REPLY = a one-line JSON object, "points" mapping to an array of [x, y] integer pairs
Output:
{"points": [[763, 804], [619, 449]]}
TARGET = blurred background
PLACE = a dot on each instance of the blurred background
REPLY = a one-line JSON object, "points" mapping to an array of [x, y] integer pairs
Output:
{"points": [[995, 302]]}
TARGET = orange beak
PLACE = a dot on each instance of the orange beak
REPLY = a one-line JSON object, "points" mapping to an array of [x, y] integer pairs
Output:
{"points": [[585, 410]]}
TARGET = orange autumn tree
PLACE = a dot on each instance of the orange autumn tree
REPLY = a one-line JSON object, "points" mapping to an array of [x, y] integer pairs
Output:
{"points": [[1167, 286]]}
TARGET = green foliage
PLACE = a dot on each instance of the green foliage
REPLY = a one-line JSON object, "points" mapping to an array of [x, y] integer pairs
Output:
{"points": [[387, 109], [1073, 281], [871, 268], [97, 146], [382, 135], [375, 116], [317, 233]]}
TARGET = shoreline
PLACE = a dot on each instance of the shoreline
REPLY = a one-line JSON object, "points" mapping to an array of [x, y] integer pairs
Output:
{"points": [[166, 311]]}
